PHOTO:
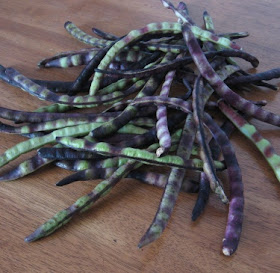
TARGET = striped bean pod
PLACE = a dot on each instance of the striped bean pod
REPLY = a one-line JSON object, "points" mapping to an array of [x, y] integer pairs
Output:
{"points": [[266, 75], [130, 56], [250, 131], [177, 103], [54, 86], [66, 154], [172, 186], [221, 88], [205, 153], [26, 167], [77, 33], [85, 175], [34, 117], [160, 180], [133, 153], [37, 142], [236, 203], [78, 101], [150, 137], [146, 177], [179, 62], [161, 114], [34, 143], [164, 27], [76, 165], [176, 49], [118, 85], [143, 122], [88, 70], [209, 25], [80, 165], [82, 204], [50, 125], [199, 33], [204, 187], [129, 112], [54, 108], [69, 59]]}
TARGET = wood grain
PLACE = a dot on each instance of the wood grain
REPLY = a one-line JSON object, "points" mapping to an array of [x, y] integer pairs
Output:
{"points": [[105, 238]]}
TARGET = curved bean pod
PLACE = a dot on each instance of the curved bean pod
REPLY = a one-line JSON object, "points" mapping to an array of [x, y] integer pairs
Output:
{"points": [[250, 131], [133, 153]]}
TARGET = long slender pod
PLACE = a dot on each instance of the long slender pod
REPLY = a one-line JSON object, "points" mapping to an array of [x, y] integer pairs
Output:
{"points": [[78, 101], [129, 112], [69, 59], [66, 154], [88, 71], [85, 175], [82, 204], [37, 117], [161, 114], [252, 78], [221, 88], [204, 186], [236, 203], [133, 153], [26, 167], [50, 125], [204, 34], [205, 153], [172, 187], [37, 142], [250, 131], [179, 62], [73, 30], [164, 27]]}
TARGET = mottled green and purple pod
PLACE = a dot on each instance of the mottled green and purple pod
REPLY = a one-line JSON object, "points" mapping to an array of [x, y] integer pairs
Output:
{"points": [[220, 87], [236, 203], [250, 131]]}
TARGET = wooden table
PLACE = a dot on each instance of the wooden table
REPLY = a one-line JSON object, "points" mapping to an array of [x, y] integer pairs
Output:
{"points": [[105, 238]]}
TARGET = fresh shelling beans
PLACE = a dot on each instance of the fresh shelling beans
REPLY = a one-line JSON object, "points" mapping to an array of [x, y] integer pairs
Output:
{"points": [[147, 123]]}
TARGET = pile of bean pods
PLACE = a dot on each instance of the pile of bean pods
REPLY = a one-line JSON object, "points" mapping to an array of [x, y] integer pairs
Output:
{"points": [[145, 124]]}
